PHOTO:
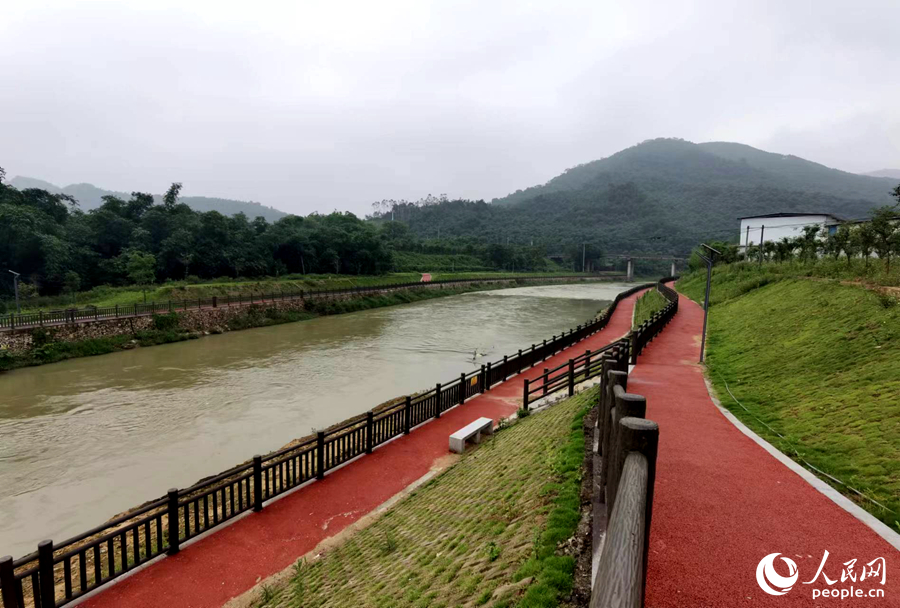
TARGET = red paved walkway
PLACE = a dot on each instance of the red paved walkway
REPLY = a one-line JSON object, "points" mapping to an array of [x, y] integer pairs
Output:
{"points": [[232, 560], [722, 502]]}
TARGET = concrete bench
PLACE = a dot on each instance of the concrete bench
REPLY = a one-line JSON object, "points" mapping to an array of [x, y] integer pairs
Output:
{"points": [[471, 431]]}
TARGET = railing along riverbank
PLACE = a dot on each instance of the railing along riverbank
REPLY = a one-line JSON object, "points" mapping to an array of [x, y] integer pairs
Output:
{"points": [[58, 574], [103, 313], [624, 474], [589, 364]]}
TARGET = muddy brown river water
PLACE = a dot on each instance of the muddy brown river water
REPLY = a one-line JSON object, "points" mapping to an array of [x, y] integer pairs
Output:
{"points": [[83, 440]]}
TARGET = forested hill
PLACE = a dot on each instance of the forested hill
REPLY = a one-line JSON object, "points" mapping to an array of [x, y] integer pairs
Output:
{"points": [[661, 196], [660, 164], [91, 197]]}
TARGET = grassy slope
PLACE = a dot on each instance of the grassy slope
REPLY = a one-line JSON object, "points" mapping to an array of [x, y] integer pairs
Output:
{"points": [[648, 304], [125, 296], [484, 532], [818, 361]]}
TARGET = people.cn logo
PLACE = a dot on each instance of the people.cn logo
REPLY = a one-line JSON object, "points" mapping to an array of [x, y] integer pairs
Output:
{"points": [[770, 581]]}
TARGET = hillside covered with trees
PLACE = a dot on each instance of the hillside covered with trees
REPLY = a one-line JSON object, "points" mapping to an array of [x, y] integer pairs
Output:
{"points": [[59, 248], [661, 196]]}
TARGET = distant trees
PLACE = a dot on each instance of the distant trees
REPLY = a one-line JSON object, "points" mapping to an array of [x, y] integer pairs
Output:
{"points": [[51, 242], [862, 239], [880, 235], [141, 269], [886, 239]]}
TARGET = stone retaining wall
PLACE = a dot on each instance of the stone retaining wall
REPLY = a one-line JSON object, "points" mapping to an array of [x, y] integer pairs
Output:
{"points": [[204, 320]]}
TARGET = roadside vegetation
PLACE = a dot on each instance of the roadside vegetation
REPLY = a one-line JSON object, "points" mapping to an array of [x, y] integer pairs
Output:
{"points": [[650, 303], [817, 360], [486, 532], [169, 328], [57, 249], [194, 288]]}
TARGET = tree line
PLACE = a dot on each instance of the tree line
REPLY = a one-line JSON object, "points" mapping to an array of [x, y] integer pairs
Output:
{"points": [[879, 236], [57, 247]]}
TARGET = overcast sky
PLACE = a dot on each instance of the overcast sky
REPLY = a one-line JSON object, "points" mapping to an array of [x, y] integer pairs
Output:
{"points": [[314, 106]]}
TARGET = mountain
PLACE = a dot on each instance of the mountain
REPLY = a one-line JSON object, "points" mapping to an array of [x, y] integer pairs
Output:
{"points": [[90, 197], [660, 196], [891, 173], [722, 164]]}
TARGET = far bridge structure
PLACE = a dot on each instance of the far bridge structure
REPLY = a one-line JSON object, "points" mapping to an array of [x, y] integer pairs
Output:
{"points": [[560, 257], [629, 274]]}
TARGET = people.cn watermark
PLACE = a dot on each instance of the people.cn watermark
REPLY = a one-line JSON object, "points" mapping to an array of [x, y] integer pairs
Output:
{"points": [[873, 572]]}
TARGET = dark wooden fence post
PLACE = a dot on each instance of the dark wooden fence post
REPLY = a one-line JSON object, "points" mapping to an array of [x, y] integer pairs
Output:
{"points": [[215, 302], [505, 368], [437, 400], [463, 389], [257, 483], [488, 377], [172, 524], [571, 377], [525, 396], [483, 379], [370, 427], [519, 362], [320, 455], [407, 412], [7, 582], [45, 567]]}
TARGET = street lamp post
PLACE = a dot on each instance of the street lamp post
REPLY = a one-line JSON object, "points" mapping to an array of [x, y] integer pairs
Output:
{"points": [[710, 260], [16, 285]]}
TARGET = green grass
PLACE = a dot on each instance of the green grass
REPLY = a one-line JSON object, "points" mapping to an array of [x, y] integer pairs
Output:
{"points": [[818, 361], [51, 351], [181, 290], [733, 280], [483, 533], [647, 305]]}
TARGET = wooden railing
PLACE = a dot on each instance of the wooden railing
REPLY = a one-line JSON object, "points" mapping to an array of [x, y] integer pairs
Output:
{"points": [[58, 574], [649, 329], [589, 364]]}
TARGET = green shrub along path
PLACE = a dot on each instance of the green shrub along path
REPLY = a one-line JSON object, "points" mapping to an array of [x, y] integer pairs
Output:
{"points": [[194, 288], [647, 305], [483, 533], [168, 328], [819, 362]]}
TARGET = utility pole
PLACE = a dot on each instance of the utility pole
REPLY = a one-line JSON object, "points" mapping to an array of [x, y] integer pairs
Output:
{"points": [[583, 246], [709, 265], [762, 242], [747, 242], [16, 285]]}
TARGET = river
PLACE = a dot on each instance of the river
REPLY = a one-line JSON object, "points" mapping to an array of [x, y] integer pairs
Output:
{"points": [[83, 440]]}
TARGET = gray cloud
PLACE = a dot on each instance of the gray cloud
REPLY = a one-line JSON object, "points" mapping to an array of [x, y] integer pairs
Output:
{"points": [[320, 106]]}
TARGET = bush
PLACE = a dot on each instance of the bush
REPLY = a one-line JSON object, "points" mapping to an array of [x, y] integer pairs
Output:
{"points": [[166, 323], [40, 337]]}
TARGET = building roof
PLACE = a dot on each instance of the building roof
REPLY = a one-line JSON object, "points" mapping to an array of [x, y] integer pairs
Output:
{"points": [[831, 215]]}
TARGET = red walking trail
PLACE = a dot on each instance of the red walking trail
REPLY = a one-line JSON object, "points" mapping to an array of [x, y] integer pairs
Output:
{"points": [[230, 561], [722, 502]]}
